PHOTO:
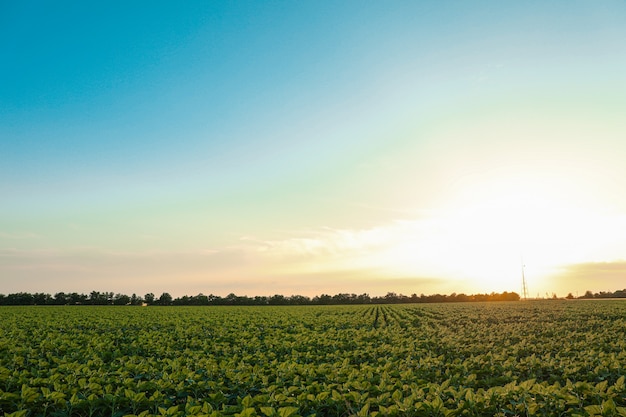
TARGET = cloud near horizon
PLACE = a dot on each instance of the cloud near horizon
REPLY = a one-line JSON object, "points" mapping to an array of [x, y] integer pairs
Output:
{"points": [[469, 252], [308, 263], [593, 276]]}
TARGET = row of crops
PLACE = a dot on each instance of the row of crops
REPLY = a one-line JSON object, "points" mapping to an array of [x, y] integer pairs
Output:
{"points": [[502, 359]]}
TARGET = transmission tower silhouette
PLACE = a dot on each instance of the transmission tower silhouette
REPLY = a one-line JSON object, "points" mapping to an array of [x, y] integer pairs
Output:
{"points": [[524, 287]]}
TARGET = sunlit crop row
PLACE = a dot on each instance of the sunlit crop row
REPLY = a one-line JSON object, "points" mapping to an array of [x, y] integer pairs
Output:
{"points": [[524, 358]]}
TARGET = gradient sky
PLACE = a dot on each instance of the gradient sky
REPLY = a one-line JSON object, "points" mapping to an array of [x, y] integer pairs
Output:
{"points": [[312, 147]]}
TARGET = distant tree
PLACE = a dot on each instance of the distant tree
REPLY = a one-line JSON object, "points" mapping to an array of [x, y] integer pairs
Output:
{"points": [[510, 296], [121, 299], [99, 298], [76, 298], [165, 299], [40, 298], [260, 300], [620, 293], [149, 298], [462, 298], [342, 298], [231, 299], [363, 298], [405, 299], [323, 299], [277, 299], [134, 300], [185, 300], [60, 298], [569, 296], [299, 300], [391, 297], [20, 299], [200, 299], [437, 298]]}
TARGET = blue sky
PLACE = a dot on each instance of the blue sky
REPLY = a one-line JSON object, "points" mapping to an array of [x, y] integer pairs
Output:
{"points": [[311, 147]]}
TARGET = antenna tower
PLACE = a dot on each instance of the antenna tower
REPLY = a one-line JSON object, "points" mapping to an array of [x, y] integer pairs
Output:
{"points": [[524, 287]]}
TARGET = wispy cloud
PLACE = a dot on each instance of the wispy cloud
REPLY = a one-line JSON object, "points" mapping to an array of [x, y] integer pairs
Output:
{"points": [[324, 242], [431, 253], [593, 276], [591, 269], [398, 249]]}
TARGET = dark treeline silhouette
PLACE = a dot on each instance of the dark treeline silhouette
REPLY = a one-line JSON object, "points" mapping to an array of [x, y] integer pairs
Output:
{"points": [[110, 298], [601, 294], [165, 299]]}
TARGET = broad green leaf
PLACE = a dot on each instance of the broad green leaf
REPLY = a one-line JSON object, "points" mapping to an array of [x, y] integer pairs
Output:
{"points": [[247, 412], [247, 401], [20, 413], [593, 410], [288, 411], [364, 410], [268, 411], [608, 407]]}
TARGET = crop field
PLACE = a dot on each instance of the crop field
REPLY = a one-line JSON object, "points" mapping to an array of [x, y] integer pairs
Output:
{"points": [[481, 359]]}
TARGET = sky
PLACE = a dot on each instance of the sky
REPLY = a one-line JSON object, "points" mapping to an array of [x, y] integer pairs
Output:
{"points": [[263, 148]]}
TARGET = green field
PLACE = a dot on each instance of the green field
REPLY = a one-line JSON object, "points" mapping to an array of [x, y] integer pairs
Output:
{"points": [[521, 358]]}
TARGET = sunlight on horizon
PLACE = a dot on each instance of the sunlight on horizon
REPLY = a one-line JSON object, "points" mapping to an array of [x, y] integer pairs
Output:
{"points": [[476, 242], [482, 237]]}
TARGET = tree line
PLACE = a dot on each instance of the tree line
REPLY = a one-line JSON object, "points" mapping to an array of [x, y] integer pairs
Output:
{"points": [[601, 294], [165, 299]]}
